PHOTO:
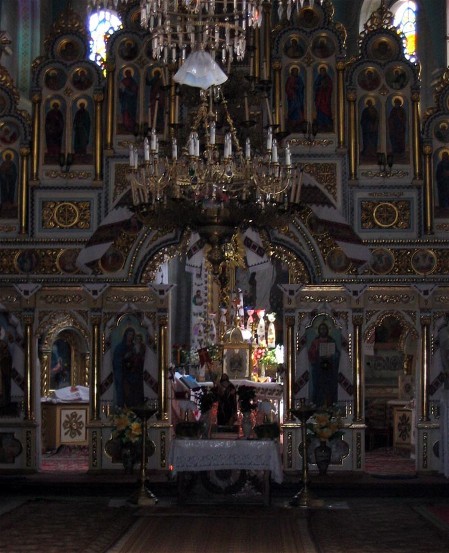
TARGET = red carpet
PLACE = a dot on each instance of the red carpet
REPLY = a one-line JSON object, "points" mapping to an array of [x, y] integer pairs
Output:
{"points": [[384, 462], [437, 513], [66, 458]]}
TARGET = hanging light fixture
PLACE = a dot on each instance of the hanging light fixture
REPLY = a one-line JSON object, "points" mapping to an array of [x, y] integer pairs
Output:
{"points": [[179, 27], [214, 189]]}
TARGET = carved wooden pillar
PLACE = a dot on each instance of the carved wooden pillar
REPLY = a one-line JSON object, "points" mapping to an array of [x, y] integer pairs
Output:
{"points": [[96, 368], [36, 100], [98, 99], [23, 199], [291, 366], [162, 368], [110, 75], [357, 321], [29, 403], [425, 367], [352, 97], [416, 135], [428, 190], [341, 103]]}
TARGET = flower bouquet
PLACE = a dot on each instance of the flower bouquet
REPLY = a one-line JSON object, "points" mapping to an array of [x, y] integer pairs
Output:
{"points": [[325, 425]]}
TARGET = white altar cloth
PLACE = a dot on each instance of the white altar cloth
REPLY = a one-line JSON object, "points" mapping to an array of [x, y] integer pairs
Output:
{"points": [[204, 455]]}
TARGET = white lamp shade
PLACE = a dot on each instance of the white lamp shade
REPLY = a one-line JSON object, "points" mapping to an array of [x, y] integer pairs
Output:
{"points": [[200, 70]]}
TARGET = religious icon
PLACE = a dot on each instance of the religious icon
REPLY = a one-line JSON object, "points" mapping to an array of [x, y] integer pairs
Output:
{"points": [[8, 184], [82, 78], [396, 78], [337, 260], [128, 99], [323, 47], [369, 79], [128, 49], [424, 261], [397, 127], [69, 50], [112, 261], [382, 261], [323, 350], [55, 78], [294, 47]]}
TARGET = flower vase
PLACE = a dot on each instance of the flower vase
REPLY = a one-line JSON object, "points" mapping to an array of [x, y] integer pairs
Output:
{"points": [[247, 424], [128, 455], [323, 457]]}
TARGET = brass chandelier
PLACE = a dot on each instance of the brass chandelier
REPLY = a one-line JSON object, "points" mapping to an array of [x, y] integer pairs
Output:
{"points": [[212, 185]]}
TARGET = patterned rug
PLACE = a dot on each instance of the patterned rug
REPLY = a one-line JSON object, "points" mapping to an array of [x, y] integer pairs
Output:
{"points": [[219, 530], [71, 526], [385, 463], [67, 459]]}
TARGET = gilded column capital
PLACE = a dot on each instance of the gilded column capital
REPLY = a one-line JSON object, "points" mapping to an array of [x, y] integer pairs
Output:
{"points": [[290, 320], [277, 65], [357, 319], [427, 149], [109, 66], [341, 65], [425, 320], [36, 98], [98, 97]]}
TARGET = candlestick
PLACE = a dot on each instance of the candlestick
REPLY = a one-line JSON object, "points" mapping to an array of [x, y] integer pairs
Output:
{"points": [[246, 107]]}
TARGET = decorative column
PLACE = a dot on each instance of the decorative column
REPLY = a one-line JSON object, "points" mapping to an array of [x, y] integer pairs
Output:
{"points": [[428, 189], [416, 135], [425, 366], [96, 367], [29, 364], [357, 321], [36, 99], [291, 365], [278, 117], [23, 198], [267, 38], [341, 103], [256, 56], [352, 97], [162, 368], [110, 75], [98, 99]]}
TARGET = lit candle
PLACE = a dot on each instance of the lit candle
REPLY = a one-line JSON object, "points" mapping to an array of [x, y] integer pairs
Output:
{"points": [[146, 149], [246, 107], [212, 133], [176, 108], [131, 155], [270, 120], [156, 107], [274, 152], [269, 139], [174, 149], [288, 156], [264, 70], [248, 149]]}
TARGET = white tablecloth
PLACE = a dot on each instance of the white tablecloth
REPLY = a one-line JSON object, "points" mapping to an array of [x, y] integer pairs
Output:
{"points": [[199, 455]]}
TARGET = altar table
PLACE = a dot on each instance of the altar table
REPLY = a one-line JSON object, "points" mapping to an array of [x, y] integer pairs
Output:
{"points": [[239, 454]]}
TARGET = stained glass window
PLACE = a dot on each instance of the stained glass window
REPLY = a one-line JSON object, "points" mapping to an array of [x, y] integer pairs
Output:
{"points": [[405, 19], [102, 24]]}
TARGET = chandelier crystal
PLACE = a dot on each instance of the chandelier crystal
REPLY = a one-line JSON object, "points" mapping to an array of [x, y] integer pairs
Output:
{"points": [[178, 27], [210, 187]]}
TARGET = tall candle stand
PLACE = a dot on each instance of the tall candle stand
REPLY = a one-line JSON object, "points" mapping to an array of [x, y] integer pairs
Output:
{"points": [[304, 497], [144, 497]]}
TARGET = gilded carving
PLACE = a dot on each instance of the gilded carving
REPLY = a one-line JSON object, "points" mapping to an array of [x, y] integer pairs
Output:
{"points": [[321, 299], [66, 215], [78, 175], [125, 298], [65, 299], [386, 214], [390, 298]]}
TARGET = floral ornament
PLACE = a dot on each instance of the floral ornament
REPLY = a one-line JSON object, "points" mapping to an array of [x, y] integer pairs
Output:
{"points": [[325, 425], [247, 398], [128, 427]]}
